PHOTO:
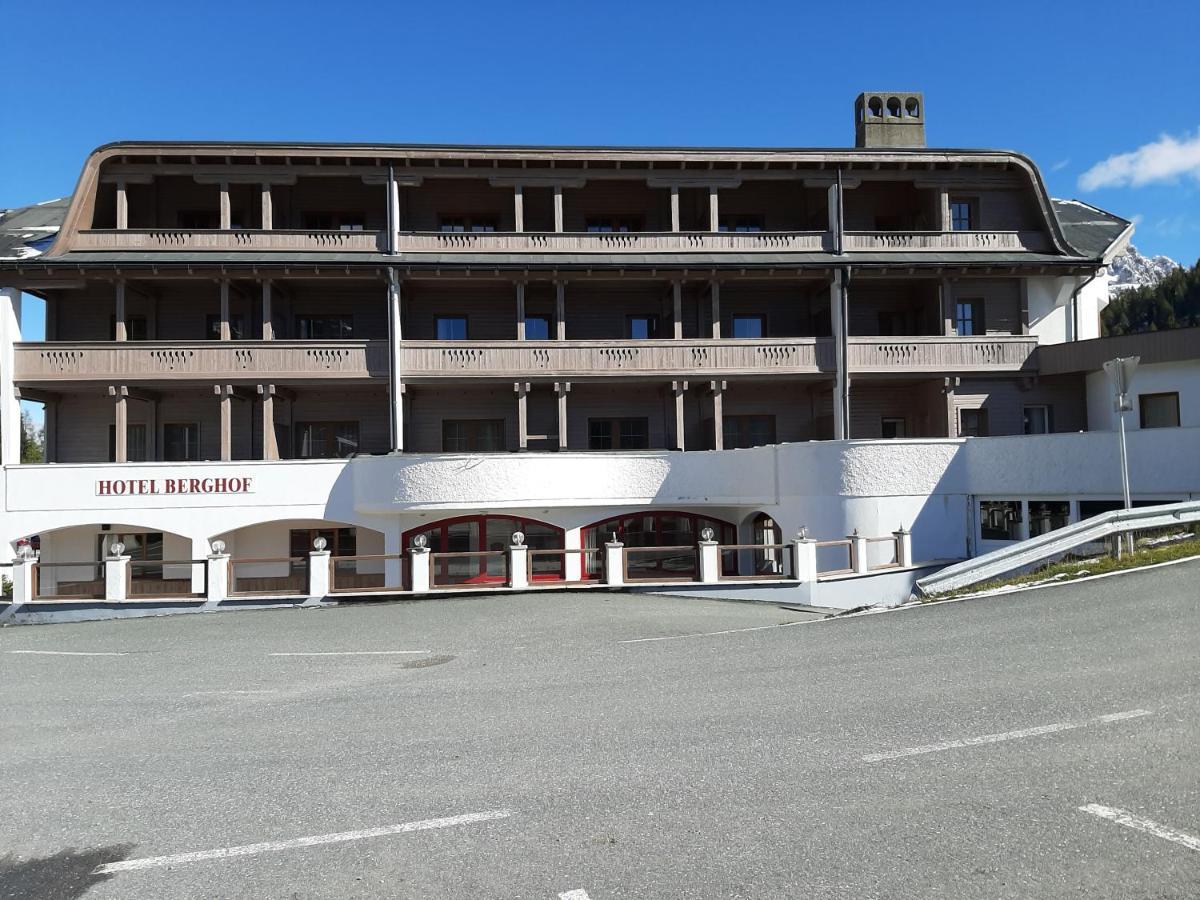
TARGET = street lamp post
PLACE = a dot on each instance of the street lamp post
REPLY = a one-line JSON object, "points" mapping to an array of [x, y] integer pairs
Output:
{"points": [[1120, 374]]}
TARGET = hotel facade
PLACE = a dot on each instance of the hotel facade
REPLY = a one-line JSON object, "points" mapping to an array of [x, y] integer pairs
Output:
{"points": [[267, 344]]}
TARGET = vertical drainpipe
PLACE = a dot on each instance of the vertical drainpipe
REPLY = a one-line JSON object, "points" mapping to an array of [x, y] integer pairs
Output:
{"points": [[842, 349], [391, 283]]}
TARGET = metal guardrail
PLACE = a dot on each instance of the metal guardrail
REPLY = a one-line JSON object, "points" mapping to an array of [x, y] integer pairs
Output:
{"points": [[1055, 543]]}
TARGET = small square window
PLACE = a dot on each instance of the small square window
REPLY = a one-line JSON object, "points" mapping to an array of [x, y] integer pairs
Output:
{"points": [[537, 328], [451, 328], [181, 442], [893, 428], [641, 328], [1159, 410], [747, 327], [972, 423]]}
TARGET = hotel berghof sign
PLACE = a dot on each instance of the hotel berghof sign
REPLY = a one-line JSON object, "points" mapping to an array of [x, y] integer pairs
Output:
{"points": [[135, 487]]}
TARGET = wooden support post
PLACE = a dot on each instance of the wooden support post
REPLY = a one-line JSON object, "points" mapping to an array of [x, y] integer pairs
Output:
{"points": [[270, 446], [522, 390], [714, 217], [224, 393], [946, 294], [679, 387], [520, 310], [268, 327], [120, 333], [120, 422], [226, 213], [718, 390], [396, 394], [558, 208], [947, 223], [714, 288], [268, 209], [225, 331], [518, 208], [677, 309], [560, 310], [675, 207], [841, 380], [122, 205], [562, 388]]}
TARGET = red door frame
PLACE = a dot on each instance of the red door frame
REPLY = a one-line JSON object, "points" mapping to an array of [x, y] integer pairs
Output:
{"points": [[443, 526]]}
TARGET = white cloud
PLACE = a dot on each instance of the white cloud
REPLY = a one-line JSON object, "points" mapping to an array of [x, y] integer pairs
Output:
{"points": [[1166, 159], [1060, 165]]}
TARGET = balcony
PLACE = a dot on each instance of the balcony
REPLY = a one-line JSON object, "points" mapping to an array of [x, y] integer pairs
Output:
{"points": [[978, 241], [580, 359], [227, 240], [950, 355], [134, 361], [614, 242]]}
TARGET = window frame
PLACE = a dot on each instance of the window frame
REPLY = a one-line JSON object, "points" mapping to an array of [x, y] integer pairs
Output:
{"points": [[237, 327], [166, 442], [983, 428], [737, 223], [345, 319], [614, 224], [744, 422], [978, 326], [1047, 417], [759, 317], [474, 429], [1157, 395], [539, 317], [652, 319], [332, 439], [451, 317], [468, 224], [972, 209], [617, 433], [899, 435], [131, 428]]}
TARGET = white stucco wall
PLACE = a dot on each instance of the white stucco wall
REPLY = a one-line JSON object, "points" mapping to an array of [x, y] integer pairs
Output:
{"points": [[1158, 378], [1050, 312]]}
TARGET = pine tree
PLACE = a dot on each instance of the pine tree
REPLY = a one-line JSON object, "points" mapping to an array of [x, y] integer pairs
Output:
{"points": [[1172, 303], [33, 441]]}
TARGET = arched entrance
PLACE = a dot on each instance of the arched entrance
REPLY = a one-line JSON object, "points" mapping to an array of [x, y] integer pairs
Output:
{"points": [[478, 533], [661, 529]]}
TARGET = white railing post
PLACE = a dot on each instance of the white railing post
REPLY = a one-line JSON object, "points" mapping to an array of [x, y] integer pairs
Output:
{"points": [[518, 567], [573, 562], [116, 578], [904, 557], [804, 559], [318, 574], [859, 560], [22, 579], [419, 562], [614, 563], [217, 588], [710, 562]]}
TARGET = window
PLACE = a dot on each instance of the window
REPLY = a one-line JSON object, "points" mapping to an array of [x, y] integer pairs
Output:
{"points": [[968, 318], [537, 328], [614, 224], [331, 221], [740, 223], [1047, 516], [135, 443], [962, 214], [140, 546], [135, 328], [747, 326], [330, 327], [972, 423], [461, 224], [1038, 420], [1000, 520], [199, 219], [892, 322], [660, 529], [640, 328], [747, 431], [451, 328], [237, 329], [466, 435], [893, 428], [475, 534], [1159, 410], [338, 541], [326, 440], [618, 434], [181, 442]]}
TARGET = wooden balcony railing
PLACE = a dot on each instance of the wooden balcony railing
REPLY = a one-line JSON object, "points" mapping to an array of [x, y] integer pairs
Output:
{"points": [[615, 242], [950, 354], [206, 360], [860, 241], [234, 239], [569, 359]]}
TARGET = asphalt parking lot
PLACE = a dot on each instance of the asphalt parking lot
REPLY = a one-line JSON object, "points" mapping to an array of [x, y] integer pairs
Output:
{"points": [[598, 746]]}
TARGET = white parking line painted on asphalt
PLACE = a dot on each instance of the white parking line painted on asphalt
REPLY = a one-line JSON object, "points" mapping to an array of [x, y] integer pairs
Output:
{"points": [[1036, 731], [153, 862], [68, 653], [678, 637], [578, 894], [1129, 820], [348, 653], [226, 693]]}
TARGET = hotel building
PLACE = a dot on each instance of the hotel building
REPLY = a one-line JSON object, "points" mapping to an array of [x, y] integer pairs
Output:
{"points": [[266, 343]]}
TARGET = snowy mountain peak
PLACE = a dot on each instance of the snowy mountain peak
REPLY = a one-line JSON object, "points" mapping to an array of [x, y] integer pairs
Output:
{"points": [[1133, 270]]}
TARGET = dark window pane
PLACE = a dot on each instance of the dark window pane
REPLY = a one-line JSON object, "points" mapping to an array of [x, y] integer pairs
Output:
{"points": [[537, 328], [452, 328], [600, 434], [747, 327]]}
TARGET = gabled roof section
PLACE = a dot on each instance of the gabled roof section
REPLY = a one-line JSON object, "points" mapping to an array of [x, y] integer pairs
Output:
{"points": [[28, 231], [1092, 231]]}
